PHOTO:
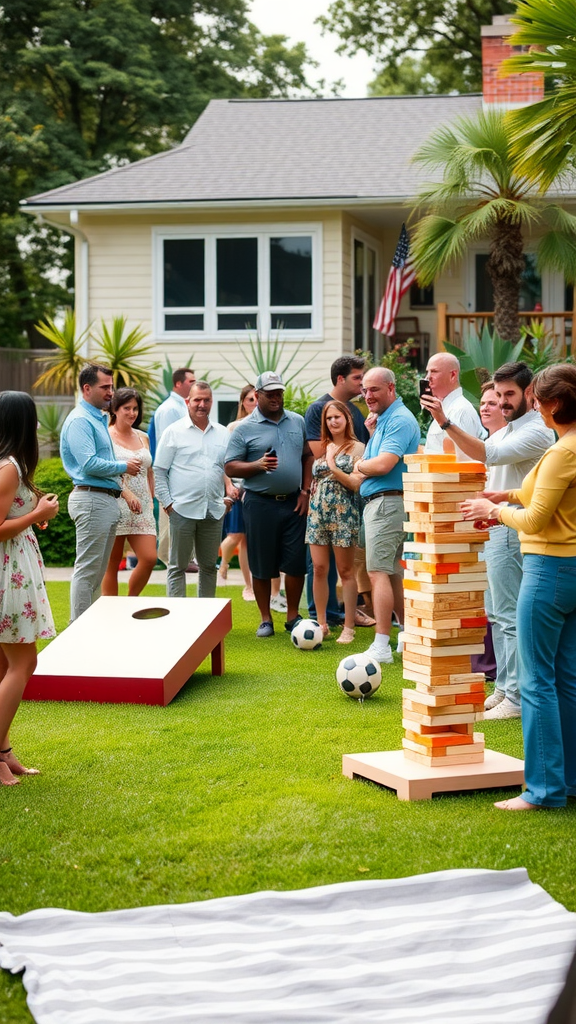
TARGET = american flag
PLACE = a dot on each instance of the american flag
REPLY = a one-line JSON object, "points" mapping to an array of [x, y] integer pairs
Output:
{"points": [[400, 278]]}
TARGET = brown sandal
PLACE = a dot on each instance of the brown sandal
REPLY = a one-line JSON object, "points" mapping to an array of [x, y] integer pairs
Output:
{"points": [[361, 619]]}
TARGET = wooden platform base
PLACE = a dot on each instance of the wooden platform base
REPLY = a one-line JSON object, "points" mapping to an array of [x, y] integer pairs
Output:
{"points": [[414, 781], [132, 650]]}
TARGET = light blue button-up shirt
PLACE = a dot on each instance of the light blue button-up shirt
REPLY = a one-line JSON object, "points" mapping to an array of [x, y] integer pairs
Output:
{"points": [[86, 449]]}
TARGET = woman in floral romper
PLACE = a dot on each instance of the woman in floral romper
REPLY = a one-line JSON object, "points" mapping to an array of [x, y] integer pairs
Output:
{"points": [[25, 615]]}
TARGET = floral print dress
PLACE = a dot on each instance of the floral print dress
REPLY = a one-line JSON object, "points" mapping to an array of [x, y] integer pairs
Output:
{"points": [[335, 512], [25, 614]]}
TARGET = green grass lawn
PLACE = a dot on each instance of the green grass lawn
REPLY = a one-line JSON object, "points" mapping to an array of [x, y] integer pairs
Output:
{"points": [[237, 786]]}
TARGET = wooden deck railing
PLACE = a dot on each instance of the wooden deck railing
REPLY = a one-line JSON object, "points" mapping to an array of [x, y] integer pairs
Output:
{"points": [[455, 327]]}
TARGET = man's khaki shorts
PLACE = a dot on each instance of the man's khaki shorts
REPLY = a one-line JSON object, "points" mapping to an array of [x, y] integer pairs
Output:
{"points": [[383, 518]]}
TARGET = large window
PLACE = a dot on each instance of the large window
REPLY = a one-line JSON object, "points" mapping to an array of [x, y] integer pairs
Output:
{"points": [[229, 282]]}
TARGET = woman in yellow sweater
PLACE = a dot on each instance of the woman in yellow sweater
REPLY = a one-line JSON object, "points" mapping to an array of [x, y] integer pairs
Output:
{"points": [[546, 616]]}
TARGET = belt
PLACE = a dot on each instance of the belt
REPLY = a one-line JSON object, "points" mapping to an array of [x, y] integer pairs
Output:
{"points": [[99, 490], [381, 494], [275, 497]]}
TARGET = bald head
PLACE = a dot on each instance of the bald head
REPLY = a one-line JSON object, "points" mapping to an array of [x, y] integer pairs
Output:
{"points": [[378, 386], [443, 373]]}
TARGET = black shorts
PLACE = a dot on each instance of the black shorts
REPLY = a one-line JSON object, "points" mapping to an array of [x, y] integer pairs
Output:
{"points": [[275, 536]]}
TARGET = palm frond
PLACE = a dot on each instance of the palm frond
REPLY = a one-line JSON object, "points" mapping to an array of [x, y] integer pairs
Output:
{"points": [[124, 352], [436, 243], [68, 359], [557, 251]]}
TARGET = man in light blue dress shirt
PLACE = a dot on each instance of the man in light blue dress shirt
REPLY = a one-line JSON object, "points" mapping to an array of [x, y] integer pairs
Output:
{"points": [[88, 458]]}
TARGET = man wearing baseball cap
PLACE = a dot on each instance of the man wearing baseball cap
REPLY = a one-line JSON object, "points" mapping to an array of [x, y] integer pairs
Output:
{"points": [[269, 451]]}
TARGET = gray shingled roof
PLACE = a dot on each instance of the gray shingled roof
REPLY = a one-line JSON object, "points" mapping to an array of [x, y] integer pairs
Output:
{"points": [[250, 150]]}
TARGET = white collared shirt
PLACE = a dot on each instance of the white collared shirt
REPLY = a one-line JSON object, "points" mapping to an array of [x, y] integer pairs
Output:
{"points": [[189, 469], [462, 414], [172, 409], [512, 451]]}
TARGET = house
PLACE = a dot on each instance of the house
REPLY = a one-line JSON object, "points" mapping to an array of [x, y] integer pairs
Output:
{"points": [[281, 214]]}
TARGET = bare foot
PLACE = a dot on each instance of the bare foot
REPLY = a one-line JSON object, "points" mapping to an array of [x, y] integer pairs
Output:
{"points": [[516, 804], [14, 764], [6, 777]]}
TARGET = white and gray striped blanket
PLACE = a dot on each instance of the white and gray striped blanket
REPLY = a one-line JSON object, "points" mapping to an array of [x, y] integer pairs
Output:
{"points": [[454, 947]]}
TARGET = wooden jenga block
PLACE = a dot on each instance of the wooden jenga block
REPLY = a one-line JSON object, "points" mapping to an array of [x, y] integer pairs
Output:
{"points": [[460, 729], [442, 739], [444, 720], [443, 749], [437, 636], [424, 548], [441, 761], [462, 587], [475, 689]]}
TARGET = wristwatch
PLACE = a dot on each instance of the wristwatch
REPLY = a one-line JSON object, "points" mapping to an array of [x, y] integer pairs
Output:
{"points": [[445, 425]]}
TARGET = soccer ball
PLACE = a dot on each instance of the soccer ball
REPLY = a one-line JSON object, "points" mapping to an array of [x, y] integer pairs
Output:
{"points": [[307, 635], [359, 676]]}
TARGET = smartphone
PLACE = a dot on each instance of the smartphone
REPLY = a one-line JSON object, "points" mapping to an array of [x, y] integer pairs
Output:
{"points": [[272, 452], [424, 386]]}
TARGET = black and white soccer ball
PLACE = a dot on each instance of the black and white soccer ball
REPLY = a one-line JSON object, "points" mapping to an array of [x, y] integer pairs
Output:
{"points": [[307, 635], [359, 676]]}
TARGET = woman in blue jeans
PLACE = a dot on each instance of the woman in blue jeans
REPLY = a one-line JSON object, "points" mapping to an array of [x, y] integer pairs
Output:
{"points": [[546, 615]]}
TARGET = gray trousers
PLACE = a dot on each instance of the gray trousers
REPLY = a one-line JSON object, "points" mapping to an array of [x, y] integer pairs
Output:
{"points": [[95, 516], [187, 536], [504, 570]]}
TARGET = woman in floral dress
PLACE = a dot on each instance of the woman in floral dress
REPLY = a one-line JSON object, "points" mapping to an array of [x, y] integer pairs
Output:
{"points": [[25, 615], [136, 524], [334, 514]]}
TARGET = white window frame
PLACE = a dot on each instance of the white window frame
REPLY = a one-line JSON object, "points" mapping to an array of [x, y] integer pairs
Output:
{"points": [[210, 233], [552, 280]]}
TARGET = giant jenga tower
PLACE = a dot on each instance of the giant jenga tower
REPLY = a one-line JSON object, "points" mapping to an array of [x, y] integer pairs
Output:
{"points": [[445, 620], [445, 623]]}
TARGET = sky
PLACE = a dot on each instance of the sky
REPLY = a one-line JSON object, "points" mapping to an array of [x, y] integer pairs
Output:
{"points": [[295, 19]]}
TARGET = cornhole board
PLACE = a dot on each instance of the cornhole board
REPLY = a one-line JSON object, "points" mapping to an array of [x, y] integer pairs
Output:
{"points": [[414, 781], [112, 657]]}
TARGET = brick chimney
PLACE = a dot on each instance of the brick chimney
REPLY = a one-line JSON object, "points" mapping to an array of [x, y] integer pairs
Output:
{"points": [[509, 91]]}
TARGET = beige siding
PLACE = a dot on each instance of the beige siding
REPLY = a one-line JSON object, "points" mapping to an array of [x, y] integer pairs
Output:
{"points": [[121, 282]]}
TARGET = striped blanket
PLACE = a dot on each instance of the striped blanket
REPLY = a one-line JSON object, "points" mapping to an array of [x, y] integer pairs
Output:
{"points": [[454, 947]]}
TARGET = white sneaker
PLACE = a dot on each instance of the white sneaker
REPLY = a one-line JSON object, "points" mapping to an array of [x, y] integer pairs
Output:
{"points": [[494, 699], [382, 654], [278, 603], [505, 709]]}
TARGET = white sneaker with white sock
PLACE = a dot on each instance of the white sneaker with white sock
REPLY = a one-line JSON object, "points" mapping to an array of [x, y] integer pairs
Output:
{"points": [[380, 649]]}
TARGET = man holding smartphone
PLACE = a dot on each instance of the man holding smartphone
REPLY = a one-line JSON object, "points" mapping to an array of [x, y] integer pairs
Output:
{"points": [[269, 451], [443, 378]]}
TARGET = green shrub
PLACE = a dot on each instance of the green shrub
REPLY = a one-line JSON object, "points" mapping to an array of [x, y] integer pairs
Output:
{"points": [[58, 541]]}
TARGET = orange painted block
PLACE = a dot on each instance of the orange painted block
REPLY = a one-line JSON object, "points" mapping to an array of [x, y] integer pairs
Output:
{"points": [[479, 620], [464, 729], [440, 739]]}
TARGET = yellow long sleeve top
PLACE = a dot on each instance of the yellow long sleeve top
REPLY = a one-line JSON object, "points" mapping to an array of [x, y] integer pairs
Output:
{"points": [[547, 523]]}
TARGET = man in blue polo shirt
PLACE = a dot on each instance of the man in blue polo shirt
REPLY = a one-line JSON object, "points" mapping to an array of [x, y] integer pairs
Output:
{"points": [[395, 433], [88, 457]]}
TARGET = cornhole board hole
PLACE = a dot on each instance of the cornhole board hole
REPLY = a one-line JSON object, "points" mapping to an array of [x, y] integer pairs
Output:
{"points": [[413, 781], [132, 650]]}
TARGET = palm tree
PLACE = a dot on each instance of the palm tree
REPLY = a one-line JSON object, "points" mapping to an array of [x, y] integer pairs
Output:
{"points": [[66, 362], [483, 195], [123, 354], [544, 133]]}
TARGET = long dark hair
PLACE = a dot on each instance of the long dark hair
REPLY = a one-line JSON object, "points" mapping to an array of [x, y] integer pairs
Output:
{"points": [[122, 397], [19, 433]]}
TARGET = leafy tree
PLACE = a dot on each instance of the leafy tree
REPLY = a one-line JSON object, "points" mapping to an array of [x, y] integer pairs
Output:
{"points": [[86, 85], [419, 47], [544, 133], [483, 195]]}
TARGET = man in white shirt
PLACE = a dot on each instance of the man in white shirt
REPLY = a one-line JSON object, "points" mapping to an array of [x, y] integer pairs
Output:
{"points": [[510, 454], [172, 409], [191, 487], [443, 375]]}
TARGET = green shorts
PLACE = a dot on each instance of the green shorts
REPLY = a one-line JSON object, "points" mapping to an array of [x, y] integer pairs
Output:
{"points": [[384, 534]]}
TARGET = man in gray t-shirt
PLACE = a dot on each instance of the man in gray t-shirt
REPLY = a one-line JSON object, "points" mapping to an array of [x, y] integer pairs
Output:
{"points": [[269, 451]]}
